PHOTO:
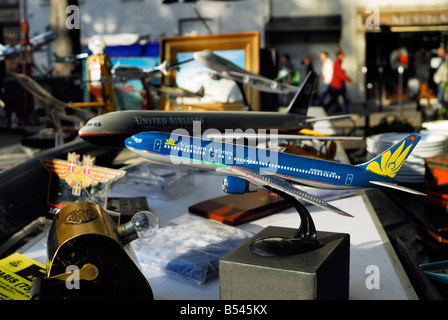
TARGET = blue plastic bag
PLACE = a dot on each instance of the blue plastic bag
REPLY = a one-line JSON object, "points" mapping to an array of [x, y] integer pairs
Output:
{"points": [[189, 247]]}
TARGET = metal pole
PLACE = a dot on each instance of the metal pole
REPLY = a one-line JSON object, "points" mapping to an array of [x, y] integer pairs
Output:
{"points": [[366, 113], [380, 71], [400, 88]]}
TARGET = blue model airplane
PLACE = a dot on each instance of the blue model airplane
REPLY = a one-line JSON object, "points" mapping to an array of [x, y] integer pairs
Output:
{"points": [[249, 167]]}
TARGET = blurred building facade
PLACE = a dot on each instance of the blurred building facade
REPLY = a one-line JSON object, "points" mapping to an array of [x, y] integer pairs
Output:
{"points": [[372, 33]]}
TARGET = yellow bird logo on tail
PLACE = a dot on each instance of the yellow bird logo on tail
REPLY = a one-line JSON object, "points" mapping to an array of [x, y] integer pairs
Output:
{"points": [[390, 161]]}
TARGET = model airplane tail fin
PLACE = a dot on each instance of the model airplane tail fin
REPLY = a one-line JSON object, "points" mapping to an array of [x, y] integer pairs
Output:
{"points": [[390, 161], [301, 100], [162, 67], [201, 91]]}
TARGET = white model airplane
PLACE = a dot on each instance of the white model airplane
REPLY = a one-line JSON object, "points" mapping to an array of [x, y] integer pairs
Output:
{"points": [[137, 73], [227, 69]]}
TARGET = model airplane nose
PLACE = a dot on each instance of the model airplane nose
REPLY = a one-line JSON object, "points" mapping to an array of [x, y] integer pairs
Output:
{"points": [[87, 130], [83, 131], [132, 141], [201, 56], [92, 127], [129, 142]]}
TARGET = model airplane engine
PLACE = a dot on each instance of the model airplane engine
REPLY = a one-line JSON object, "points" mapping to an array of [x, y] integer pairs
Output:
{"points": [[235, 185], [247, 80]]}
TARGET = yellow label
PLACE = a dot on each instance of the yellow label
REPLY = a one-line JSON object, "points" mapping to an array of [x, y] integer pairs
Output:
{"points": [[17, 272]]}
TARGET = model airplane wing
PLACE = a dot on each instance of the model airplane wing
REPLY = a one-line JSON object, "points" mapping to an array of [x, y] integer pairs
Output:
{"points": [[335, 117], [252, 79], [129, 72], [57, 166], [178, 92], [43, 95], [42, 39], [233, 136], [8, 51], [255, 177], [36, 43], [243, 75], [397, 187], [101, 174]]}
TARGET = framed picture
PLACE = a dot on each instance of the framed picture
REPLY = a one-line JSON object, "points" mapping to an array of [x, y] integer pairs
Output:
{"points": [[218, 93]]}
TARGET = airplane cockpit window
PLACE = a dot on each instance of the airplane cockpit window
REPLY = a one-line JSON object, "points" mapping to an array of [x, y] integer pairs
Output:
{"points": [[94, 124]]}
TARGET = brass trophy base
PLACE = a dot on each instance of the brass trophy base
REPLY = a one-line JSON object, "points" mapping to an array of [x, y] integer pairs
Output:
{"points": [[320, 274]]}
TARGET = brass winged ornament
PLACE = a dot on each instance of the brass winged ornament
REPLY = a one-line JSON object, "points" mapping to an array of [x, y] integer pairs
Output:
{"points": [[79, 176]]}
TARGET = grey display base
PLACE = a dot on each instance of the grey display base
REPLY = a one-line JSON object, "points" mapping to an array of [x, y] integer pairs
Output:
{"points": [[316, 275]]}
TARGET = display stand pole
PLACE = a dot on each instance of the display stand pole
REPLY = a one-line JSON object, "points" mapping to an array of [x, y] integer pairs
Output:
{"points": [[304, 240]]}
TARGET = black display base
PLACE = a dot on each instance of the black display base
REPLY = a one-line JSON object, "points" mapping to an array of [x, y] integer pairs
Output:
{"points": [[320, 274]]}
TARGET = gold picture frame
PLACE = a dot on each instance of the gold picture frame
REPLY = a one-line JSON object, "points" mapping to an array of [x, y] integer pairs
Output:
{"points": [[249, 42]]}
